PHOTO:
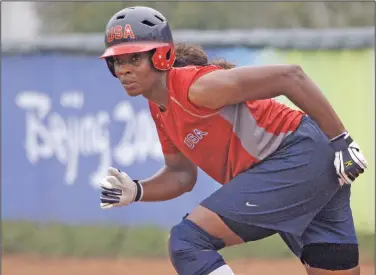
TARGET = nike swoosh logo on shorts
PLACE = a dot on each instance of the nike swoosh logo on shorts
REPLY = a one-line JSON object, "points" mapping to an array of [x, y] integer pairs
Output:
{"points": [[250, 204]]}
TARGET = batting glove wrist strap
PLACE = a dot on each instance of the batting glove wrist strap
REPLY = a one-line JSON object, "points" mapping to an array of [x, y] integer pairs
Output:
{"points": [[341, 142], [139, 191], [339, 136]]}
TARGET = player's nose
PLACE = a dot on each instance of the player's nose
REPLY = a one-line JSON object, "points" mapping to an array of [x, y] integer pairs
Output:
{"points": [[123, 69]]}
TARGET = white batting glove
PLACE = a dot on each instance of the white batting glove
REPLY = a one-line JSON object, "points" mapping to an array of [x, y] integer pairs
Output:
{"points": [[118, 189], [349, 160]]}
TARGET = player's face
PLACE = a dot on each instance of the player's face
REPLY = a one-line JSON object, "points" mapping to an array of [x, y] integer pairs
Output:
{"points": [[135, 72]]}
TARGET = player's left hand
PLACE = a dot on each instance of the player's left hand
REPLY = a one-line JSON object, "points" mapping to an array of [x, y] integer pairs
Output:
{"points": [[349, 160], [118, 189]]}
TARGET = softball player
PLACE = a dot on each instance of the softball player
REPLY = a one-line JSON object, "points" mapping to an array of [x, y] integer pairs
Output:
{"points": [[283, 171]]}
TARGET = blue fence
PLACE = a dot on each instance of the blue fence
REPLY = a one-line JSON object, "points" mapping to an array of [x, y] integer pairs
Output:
{"points": [[65, 120]]}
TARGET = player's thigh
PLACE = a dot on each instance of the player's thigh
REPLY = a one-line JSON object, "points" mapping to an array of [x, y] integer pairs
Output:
{"points": [[334, 223], [214, 225], [329, 244], [230, 231], [332, 233]]}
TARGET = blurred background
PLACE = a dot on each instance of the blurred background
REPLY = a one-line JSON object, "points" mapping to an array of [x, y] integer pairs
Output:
{"points": [[65, 120]]}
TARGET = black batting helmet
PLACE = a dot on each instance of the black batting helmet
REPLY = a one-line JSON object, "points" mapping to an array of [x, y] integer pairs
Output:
{"points": [[139, 29]]}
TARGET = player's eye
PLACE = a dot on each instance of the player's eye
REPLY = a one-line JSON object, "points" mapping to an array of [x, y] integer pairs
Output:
{"points": [[118, 61], [136, 57]]}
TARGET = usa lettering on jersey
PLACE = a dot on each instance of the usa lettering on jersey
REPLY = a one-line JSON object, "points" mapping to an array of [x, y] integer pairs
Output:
{"points": [[193, 138]]}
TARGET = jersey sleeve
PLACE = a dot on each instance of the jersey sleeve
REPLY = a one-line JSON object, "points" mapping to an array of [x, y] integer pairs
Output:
{"points": [[167, 145], [183, 80]]}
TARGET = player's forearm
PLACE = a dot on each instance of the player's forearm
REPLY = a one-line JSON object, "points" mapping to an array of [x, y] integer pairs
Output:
{"points": [[168, 184], [305, 94]]}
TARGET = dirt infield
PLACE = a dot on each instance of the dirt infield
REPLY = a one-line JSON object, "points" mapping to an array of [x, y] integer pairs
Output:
{"points": [[16, 265]]}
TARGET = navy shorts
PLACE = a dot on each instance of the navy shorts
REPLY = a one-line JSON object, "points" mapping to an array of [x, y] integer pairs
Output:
{"points": [[294, 192]]}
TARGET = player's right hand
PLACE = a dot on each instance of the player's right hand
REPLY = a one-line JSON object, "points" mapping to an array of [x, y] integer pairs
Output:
{"points": [[118, 189]]}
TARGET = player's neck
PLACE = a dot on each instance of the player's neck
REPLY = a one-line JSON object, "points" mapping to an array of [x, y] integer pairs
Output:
{"points": [[159, 93]]}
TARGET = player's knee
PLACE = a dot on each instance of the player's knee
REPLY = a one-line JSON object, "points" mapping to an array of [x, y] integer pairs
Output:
{"points": [[331, 256], [194, 251]]}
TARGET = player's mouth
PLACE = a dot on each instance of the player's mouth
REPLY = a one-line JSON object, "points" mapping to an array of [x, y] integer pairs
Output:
{"points": [[129, 85]]}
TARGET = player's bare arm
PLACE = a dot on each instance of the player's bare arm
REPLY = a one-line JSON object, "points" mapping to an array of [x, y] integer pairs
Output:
{"points": [[225, 87], [176, 177]]}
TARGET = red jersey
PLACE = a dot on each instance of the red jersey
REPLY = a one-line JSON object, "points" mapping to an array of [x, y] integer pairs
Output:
{"points": [[225, 142]]}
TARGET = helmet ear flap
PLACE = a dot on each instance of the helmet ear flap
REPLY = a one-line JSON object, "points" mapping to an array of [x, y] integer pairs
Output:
{"points": [[164, 57], [110, 65]]}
